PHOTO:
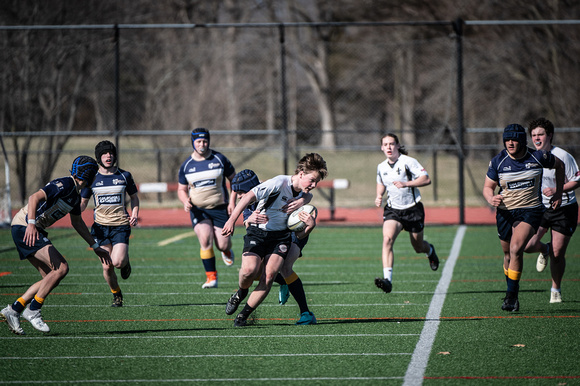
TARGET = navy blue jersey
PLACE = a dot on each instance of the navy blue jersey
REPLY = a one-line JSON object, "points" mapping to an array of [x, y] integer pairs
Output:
{"points": [[207, 179], [62, 197], [520, 180], [109, 191]]}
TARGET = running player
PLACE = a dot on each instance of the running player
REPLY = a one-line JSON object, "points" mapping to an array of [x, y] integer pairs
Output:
{"points": [[269, 243], [52, 202], [112, 226], [289, 281], [563, 220], [517, 171], [401, 176], [202, 190]]}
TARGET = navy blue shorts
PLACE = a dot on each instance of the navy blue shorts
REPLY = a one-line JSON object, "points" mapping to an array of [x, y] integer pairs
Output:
{"points": [[264, 243], [562, 220], [24, 250], [412, 219], [507, 218], [218, 215], [106, 234], [301, 243]]}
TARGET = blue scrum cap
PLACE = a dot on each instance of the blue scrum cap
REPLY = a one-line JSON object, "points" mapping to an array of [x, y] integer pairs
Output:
{"points": [[244, 181], [515, 132], [84, 168], [198, 133]]}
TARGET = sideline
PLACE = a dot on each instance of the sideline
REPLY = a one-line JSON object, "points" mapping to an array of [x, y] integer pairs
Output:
{"points": [[416, 370], [174, 239]]}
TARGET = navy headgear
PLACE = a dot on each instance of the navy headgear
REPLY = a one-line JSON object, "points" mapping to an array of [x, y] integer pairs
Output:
{"points": [[244, 181], [84, 168], [515, 132], [198, 133]]}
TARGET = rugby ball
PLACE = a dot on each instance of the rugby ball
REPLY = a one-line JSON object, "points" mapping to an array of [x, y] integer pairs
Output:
{"points": [[294, 223]]}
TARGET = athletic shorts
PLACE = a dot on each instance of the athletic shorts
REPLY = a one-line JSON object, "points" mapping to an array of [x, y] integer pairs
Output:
{"points": [[562, 220], [412, 219], [24, 250], [218, 215], [301, 243], [105, 234], [507, 218], [264, 243]]}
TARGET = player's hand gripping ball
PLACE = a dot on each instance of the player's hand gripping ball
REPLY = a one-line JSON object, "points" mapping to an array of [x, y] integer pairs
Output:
{"points": [[294, 222]]}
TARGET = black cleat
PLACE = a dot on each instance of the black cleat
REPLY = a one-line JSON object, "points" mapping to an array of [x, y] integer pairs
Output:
{"points": [[433, 259], [233, 303], [511, 302], [384, 284], [126, 271], [240, 321], [117, 301]]}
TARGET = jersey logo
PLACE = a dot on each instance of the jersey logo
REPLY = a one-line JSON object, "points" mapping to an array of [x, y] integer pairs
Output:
{"points": [[507, 168], [192, 170], [518, 185], [117, 181], [531, 165], [214, 165], [100, 183], [201, 184], [109, 199]]}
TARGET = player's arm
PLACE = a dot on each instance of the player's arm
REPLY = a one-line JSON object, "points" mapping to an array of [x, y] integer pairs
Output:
{"points": [[232, 202], [84, 204], [134, 209], [310, 220], [31, 234], [183, 195], [380, 191], [556, 199], [229, 226], [79, 225], [488, 192], [422, 180], [298, 202]]}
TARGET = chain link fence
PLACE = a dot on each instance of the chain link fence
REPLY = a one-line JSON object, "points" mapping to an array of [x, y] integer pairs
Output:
{"points": [[268, 93]]}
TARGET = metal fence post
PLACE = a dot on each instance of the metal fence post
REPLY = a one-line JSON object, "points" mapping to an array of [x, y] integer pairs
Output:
{"points": [[458, 27]]}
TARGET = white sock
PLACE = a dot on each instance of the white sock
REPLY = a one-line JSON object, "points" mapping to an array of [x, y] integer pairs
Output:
{"points": [[556, 290], [388, 273]]}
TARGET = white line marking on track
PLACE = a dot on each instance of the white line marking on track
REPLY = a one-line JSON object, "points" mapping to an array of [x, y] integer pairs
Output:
{"points": [[416, 370]]}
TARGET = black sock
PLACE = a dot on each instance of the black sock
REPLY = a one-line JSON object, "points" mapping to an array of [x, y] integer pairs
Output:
{"points": [[242, 293], [297, 290], [246, 311], [279, 279]]}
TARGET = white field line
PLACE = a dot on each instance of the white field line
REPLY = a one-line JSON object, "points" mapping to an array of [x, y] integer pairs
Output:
{"points": [[416, 370], [174, 239], [204, 380]]}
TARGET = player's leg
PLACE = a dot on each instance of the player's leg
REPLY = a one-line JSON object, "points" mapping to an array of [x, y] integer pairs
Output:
{"points": [[558, 264], [111, 278], [224, 245], [250, 269], [391, 229], [272, 265], [522, 232], [205, 235]]}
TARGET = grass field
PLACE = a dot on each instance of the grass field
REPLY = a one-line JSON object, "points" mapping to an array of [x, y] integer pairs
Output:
{"points": [[435, 328]]}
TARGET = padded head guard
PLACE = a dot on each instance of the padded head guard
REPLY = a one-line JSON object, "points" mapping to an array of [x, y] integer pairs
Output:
{"points": [[198, 133], [104, 147], [515, 132], [84, 168], [244, 181]]}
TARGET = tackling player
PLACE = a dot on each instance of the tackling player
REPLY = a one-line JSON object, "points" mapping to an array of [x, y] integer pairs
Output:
{"points": [[517, 171], [112, 226], [202, 190], [52, 202]]}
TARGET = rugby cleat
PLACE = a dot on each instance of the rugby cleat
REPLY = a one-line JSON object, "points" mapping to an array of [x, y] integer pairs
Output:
{"points": [[117, 300], [542, 261], [384, 284], [510, 302], [240, 321], [306, 318], [433, 259], [210, 284], [126, 271], [556, 297], [228, 258], [283, 294], [233, 303], [12, 319], [35, 318]]}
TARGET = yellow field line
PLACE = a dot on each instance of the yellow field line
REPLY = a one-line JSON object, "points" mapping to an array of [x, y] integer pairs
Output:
{"points": [[173, 239]]}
